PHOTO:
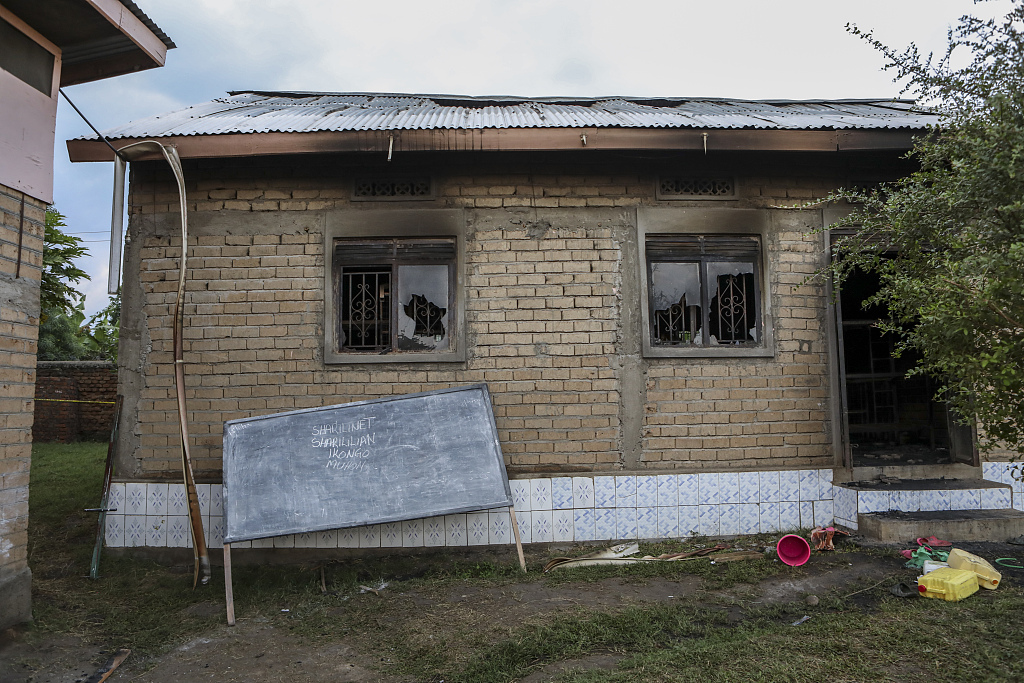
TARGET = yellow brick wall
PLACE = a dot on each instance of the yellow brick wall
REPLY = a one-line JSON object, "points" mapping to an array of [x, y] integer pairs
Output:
{"points": [[19, 331], [544, 313], [753, 413]]}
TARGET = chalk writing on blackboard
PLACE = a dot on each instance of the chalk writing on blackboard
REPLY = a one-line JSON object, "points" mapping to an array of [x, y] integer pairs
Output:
{"points": [[368, 462]]}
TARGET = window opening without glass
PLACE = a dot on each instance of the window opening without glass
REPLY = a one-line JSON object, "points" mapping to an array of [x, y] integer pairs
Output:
{"points": [[394, 295], [703, 290]]}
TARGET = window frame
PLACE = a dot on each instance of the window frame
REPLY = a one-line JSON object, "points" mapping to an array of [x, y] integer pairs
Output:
{"points": [[383, 225], [708, 222]]}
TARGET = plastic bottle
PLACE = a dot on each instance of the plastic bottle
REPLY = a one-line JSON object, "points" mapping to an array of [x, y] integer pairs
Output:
{"points": [[988, 577]]}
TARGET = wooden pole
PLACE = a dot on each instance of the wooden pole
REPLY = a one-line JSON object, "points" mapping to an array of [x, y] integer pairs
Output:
{"points": [[519, 541], [229, 592], [108, 473]]}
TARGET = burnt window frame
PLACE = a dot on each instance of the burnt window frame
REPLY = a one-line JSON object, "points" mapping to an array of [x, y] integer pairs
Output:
{"points": [[712, 226], [409, 228], [702, 251]]}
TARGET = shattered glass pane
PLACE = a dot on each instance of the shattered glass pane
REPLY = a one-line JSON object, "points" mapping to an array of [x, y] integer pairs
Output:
{"points": [[675, 300], [423, 312], [733, 306]]}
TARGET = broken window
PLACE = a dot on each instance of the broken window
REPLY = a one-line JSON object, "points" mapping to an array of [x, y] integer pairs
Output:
{"points": [[703, 290], [394, 295]]}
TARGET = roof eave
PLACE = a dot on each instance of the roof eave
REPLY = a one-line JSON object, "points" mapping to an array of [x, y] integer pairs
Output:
{"points": [[513, 139], [149, 51]]}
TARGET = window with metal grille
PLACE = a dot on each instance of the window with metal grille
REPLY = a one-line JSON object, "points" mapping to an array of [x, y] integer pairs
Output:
{"points": [[690, 187], [392, 188], [394, 295], [703, 290]]}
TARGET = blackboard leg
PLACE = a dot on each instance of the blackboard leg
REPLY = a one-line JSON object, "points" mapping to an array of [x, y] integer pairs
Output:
{"points": [[519, 540], [229, 592]]}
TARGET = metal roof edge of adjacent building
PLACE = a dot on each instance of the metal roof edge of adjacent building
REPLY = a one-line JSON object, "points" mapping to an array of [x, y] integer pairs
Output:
{"points": [[255, 123], [150, 24]]}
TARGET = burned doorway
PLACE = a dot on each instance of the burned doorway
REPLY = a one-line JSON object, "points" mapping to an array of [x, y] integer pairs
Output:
{"points": [[891, 419]]}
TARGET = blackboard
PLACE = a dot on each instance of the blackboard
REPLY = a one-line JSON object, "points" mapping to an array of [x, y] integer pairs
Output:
{"points": [[369, 462]]}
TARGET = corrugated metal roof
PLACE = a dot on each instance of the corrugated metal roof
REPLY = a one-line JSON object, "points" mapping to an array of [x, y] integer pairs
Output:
{"points": [[301, 112], [141, 16]]}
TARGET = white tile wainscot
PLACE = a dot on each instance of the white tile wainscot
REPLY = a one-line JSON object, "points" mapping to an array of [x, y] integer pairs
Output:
{"points": [[549, 509]]}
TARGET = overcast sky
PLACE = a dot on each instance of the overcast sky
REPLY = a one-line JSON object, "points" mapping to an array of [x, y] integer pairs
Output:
{"points": [[779, 49]]}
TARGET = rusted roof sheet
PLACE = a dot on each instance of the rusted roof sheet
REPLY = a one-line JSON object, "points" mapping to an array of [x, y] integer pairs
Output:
{"points": [[301, 112]]}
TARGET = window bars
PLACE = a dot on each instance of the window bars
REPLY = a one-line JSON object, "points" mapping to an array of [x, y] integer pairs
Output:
{"points": [[703, 290]]}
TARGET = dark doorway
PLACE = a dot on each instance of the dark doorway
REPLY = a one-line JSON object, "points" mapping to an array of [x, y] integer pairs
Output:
{"points": [[891, 419]]}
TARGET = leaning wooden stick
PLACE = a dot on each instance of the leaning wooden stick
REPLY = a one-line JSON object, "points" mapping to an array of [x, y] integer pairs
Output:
{"points": [[195, 517], [108, 474], [103, 673], [229, 591], [519, 541]]}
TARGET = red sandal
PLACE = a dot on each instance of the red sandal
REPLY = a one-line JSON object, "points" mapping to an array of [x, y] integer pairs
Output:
{"points": [[934, 542]]}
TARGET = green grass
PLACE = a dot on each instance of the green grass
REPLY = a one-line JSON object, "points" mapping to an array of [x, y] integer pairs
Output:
{"points": [[66, 479], [418, 632]]}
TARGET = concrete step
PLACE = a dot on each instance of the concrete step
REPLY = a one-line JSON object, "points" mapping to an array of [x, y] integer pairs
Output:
{"points": [[853, 499], [951, 525]]}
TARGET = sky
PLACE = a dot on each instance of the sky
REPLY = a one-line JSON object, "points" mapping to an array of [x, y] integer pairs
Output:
{"points": [[746, 49]]}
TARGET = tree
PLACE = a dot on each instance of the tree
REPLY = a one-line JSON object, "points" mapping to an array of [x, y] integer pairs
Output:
{"points": [[57, 291], [63, 332], [61, 337], [947, 241], [104, 329]]}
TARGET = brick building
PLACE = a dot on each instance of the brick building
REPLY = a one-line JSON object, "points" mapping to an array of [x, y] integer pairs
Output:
{"points": [[632, 279], [45, 46]]}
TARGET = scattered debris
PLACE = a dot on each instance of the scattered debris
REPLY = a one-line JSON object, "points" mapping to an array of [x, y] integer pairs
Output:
{"points": [[988, 576], [376, 591], [621, 554], [812, 600], [933, 542], [948, 584], [103, 673], [923, 554], [823, 537], [801, 620], [793, 550], [903, 590]]}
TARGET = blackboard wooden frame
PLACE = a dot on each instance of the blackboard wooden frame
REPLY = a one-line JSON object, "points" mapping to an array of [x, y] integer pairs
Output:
{"points": [[274, 488]]}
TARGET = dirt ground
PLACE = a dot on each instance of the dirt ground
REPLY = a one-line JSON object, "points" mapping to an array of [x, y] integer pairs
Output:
{"points": [[257, 650]]}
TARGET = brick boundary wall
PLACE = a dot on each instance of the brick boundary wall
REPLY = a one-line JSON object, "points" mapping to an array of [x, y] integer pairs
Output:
{"points": [[74, 380], [56, 417]]}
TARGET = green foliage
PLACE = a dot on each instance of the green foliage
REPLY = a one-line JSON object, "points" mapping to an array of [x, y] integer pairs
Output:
{"points": [[60, 274], [104, 329], [61, 336], [948, 240], [67, 336], [63, 333]]}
